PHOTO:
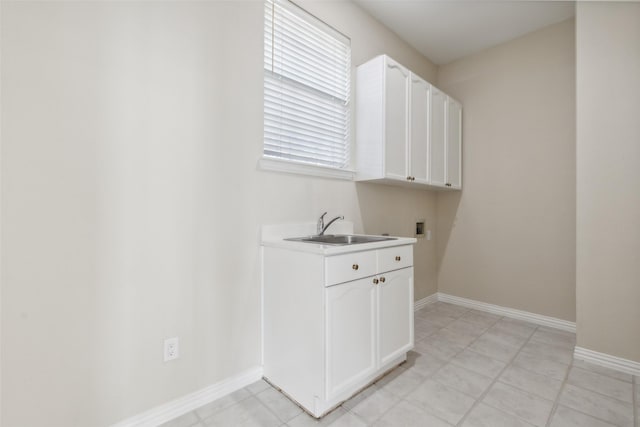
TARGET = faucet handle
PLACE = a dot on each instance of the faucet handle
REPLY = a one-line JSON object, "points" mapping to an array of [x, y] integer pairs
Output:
{"points": [[320, 224]]}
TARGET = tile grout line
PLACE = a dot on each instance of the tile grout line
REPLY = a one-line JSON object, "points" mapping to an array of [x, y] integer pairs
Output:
{"points": [[264, 404], [433, 374], [198, 417], [476, 400], [608, 396], [425, 378], [453, 357], [401, 399], [635, 395], [495, 380], [203, 420], [557, 399], [358, 417], [508, 363], [566, 381]]}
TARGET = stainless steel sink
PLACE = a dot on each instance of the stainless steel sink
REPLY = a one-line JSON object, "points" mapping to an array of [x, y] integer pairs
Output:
{"points": [[340, 239]]}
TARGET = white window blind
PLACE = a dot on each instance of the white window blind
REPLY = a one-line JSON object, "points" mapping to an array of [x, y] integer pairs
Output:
{"points": [[307, 79]]}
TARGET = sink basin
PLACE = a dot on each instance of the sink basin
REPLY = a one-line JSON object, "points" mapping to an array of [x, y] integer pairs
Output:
{"points": [[340, 239]]}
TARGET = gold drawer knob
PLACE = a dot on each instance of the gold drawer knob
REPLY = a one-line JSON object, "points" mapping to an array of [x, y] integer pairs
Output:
{"points": [[375, 281], [398, 258], [382, 279], [355, 266]]}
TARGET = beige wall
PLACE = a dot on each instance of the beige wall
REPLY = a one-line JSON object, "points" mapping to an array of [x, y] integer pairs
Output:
{"points": [[131, 201], [608, 178], [509, 237]]}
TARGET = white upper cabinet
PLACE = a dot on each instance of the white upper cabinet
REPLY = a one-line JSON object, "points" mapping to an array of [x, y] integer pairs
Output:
{"points": [[382, 121], [408, 132], [437, 152], [445, 149], [454, 144], [419, 130], [396, 114]]}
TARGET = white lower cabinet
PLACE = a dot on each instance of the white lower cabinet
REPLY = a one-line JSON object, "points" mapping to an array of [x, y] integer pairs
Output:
{"points": [[324, 341], [350, 335], [395, 315]]}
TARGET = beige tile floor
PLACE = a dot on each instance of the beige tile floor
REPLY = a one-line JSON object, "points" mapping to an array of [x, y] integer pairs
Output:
{"points": [[468, 368]]}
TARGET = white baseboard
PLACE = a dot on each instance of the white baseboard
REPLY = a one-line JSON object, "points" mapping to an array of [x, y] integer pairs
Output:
{"points": [[182, 405], [602, 359], [170, 410], [538, 319], [421, 303]]}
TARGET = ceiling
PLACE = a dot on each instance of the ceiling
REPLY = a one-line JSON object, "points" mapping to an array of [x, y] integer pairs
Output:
{"points": [[444, 31]]}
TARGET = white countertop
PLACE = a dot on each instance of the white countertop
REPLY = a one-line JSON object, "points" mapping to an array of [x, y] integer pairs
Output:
{"points": [[274, 235]]}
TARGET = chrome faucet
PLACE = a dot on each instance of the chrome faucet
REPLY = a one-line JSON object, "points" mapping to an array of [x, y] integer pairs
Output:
{"points": [[321, 228]]}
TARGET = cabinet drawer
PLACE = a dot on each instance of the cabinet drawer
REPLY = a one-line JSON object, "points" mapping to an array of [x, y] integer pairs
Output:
{"points": [[343, 268], [394, 258]]}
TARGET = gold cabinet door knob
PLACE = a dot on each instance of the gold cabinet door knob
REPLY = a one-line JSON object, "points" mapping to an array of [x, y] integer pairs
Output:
{"points": [[375, 281], [355, 266], [382, 279], [398, 258]]}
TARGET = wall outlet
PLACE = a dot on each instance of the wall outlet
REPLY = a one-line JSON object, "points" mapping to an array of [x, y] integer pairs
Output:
{"points": [[171, 349]]}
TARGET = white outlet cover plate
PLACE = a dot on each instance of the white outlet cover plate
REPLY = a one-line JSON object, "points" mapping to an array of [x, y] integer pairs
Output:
{"points": [[171, 349]]}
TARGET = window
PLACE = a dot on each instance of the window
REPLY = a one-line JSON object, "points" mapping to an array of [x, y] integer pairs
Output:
{"points": [[307, 79]]}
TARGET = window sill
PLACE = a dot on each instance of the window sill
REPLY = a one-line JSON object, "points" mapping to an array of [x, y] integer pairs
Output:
{"points": [[276, 165]]}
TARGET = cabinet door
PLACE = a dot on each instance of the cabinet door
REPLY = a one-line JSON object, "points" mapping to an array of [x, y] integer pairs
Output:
{"points": [[454, 144], [396, 120], [437, 152], [395, 314], [350, 335], [419, 130]]}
